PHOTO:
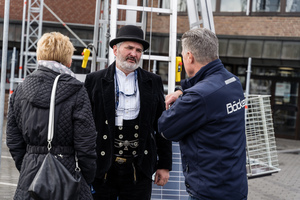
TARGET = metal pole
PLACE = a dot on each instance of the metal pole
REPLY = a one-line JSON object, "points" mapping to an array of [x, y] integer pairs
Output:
{"points": [[22, 39], [3, 67], [12, 72], [105, 34], [248, 77], [246, 112], [113, 28], [248, 8], [95, 39], [172, 47]]}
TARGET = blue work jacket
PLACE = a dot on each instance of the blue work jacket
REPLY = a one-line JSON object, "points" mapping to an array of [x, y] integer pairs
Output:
{"points": [[209, 123]]}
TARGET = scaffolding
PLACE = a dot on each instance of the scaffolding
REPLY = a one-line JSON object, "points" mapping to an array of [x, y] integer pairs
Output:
{"points": [[261, 145], [33, 33]]}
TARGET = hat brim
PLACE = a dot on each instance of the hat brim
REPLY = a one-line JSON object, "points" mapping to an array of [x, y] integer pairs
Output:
{"points": [[122, 39]]}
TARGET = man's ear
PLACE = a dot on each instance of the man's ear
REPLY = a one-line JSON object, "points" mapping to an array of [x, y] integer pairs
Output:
{"points": [[191, 58], [115, 49]]}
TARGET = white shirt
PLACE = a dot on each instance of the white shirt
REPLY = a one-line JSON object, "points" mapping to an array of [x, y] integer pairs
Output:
{"points": [[129, 106]]}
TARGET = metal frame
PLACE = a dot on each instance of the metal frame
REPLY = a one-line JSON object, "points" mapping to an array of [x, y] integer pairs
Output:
{"points": [[33, 33], [206, 14], [172, 33]]}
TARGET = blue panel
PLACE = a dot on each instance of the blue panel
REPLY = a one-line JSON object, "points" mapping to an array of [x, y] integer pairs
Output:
{"points": [[175, 188]]}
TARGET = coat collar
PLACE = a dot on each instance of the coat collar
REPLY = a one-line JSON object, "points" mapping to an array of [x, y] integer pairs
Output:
{"points": [[205, 71]]}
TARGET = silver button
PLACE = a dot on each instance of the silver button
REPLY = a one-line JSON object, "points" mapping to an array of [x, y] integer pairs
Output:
{"points": [[102, 153], [136, 127], [134, 152], [136, 135], [120, 152], [121, 136], [104, 137], [145, 152], [120, 128], [106, 122], [135, 144]]}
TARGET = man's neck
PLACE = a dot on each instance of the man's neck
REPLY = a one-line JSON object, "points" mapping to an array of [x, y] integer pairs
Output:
{"points": [[124, 71]]}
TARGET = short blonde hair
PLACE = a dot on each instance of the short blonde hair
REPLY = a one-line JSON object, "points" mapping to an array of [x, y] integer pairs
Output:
{"points": [[55, 46]]}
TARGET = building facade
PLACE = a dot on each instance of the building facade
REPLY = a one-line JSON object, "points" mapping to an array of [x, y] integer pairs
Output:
{"points": [[267, 31]]}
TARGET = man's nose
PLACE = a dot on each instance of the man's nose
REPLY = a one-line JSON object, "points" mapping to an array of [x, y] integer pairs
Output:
{"points": [[133, 52]]}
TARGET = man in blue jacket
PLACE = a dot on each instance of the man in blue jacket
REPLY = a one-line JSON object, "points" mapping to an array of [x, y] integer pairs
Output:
{"points": [[207, 117]]}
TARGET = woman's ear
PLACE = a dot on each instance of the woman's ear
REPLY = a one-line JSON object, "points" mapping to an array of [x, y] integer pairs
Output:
{"points": [[69, 65]]}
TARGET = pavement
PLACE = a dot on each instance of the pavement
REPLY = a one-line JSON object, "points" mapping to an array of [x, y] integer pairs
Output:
{"points": [[284, 185]]}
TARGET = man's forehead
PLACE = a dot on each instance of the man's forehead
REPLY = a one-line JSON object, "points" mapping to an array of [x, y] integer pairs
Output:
{"points": [[133, 44]]}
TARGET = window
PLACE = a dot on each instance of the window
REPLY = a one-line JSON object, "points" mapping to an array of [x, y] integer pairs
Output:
{"points": [[292, 6], [239, 7], [233, 6], [265, 5], [182, 7]]}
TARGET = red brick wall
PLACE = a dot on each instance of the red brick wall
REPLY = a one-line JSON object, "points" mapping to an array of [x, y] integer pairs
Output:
{"points": [[237, 25], [70, 11], [258, 26]]}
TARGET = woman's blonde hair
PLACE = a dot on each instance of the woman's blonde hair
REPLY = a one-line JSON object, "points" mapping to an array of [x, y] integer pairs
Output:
{"points": [[55, 46]]}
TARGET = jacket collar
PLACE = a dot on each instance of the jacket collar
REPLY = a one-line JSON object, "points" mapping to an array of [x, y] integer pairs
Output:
{"points": [[145, 90], [204, 72]]}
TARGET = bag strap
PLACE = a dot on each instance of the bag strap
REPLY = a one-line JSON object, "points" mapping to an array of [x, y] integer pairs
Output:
{"points": [[51, 121], [51, 113]]}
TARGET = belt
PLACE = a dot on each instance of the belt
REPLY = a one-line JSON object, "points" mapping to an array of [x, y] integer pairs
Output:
{"points": [[55, 149], [121, 160]]}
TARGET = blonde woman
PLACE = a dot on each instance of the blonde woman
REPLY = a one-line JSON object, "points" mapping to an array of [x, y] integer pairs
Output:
{"points": [[27, 123]]}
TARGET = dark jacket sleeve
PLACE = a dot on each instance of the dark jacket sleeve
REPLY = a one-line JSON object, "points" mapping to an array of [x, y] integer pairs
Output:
{"points": [[85, 136], [14, 138], [87, 85], [185, 116], [164, 147]]}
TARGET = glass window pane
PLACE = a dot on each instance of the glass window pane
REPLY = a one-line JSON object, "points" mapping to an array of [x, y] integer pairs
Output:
{"points": [[233, 6], [213, 5], [181, 5], [262, 87], [265, 5], [292, 6], [165, 4]]}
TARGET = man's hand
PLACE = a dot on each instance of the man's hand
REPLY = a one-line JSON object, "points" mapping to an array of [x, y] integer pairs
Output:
{"points": [[161, 177], [171, 98]]}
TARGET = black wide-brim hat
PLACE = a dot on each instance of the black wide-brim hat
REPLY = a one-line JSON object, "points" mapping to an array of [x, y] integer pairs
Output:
{"points": [[130, 33]]}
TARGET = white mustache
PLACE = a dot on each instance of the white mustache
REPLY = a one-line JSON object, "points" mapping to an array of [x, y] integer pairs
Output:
{"points": [[131, 58]]}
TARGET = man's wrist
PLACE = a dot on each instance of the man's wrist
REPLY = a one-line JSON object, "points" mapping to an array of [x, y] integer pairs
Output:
{"points": [[179, 91], [178, 88]]}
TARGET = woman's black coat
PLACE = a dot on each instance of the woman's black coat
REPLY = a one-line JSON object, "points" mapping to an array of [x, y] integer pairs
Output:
{"points": [[27, 128]]}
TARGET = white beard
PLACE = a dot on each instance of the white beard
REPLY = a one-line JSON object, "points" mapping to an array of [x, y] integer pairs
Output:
{"points": [[130, 67]]}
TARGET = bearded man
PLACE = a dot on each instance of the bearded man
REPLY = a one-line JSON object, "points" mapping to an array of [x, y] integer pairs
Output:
{"points": [[126, 103]]}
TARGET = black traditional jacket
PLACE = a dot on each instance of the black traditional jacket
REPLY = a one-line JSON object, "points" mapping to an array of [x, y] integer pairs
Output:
{"points": [[154, 152]]}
